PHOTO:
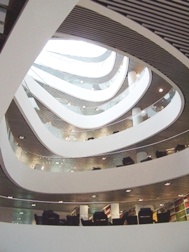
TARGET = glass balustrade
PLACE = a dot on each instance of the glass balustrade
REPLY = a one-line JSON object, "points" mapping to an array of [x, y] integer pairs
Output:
{"points": [[111, 160], [76, 134]]}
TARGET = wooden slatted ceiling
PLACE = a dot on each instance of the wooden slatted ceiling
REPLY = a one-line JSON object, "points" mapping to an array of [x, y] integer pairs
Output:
{"points": [[168, 19]]}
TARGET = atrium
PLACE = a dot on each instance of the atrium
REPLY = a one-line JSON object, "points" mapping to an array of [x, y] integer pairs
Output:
{"points": [[94, 115]]}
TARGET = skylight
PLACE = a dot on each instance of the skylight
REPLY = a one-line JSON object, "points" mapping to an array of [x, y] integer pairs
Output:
{"points": [[74, 48]]}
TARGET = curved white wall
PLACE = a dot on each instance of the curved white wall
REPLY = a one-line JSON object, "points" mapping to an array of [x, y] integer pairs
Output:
{"points": [[79, 92], [164, 237], [136, 91], [76, 67], [161, 169], [100, 145], [20, 45]]}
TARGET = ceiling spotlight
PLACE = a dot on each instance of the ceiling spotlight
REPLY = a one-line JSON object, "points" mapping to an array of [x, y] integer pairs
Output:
{"points": [[140, 200], [104, 158], [181, 195], [21, 137], [93, 196], [161, 205], [167, 184], [10, 197], [128, 190], [160, 90], [60, 201], [21, 212], [84, 106], [33, 204]]}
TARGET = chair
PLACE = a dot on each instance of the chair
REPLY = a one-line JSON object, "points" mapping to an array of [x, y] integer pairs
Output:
{"points": [[145, 216], [100, 219], [50, 218], [146, 159], [118, 221], [132, 220], [90, 138], [38, 219], [180, 147], [96, 168], [127, 161], [86, 222], [161, 154], [72, 220], [163, 217]]}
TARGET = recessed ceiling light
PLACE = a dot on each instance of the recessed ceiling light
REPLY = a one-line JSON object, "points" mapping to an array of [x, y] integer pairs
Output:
{"points": [[84, 106], [33, 204], [97, 109], [143, 112], [57, 162], [21, 137], [60, 201], [104, 158], [93, 196], [181, 195], [161, 204], [21, 212], [167, 184], [10, 197], [128, 190], [69, 103], [160, 90], [140, 200]]}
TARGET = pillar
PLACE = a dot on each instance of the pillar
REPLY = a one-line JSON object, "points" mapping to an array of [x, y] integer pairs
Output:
{"points": [[136, 115], [83, 212], [114, 211]]}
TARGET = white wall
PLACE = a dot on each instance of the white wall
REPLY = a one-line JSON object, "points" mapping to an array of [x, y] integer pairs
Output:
{"points": [[164, 237], [37, 23], [157, 170], [104, 144]]}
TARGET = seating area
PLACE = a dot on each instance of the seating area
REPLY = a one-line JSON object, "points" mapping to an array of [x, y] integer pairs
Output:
{"points": [[49, 217], [145, 216]]}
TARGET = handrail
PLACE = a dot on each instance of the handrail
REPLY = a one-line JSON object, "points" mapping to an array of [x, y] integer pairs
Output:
{"points": [[105, 161]]}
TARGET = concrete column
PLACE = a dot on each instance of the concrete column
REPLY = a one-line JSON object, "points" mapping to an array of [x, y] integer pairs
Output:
{"points": [[137, 117], [83, 212], [114, 211]]}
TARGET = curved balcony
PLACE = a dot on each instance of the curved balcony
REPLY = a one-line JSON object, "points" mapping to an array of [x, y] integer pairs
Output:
{"points": [[104, 144], [154, 171], [70, 65], [112, 86]]}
